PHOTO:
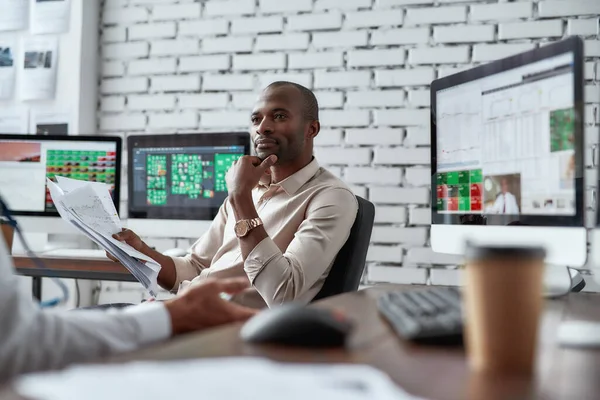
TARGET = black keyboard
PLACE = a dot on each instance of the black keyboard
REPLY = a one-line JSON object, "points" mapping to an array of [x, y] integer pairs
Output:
{"points": [[429, 315]]}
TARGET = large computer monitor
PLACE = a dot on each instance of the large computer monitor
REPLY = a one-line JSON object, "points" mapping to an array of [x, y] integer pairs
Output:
{"points": [[507, 154], [27, 160], [176, 183]]}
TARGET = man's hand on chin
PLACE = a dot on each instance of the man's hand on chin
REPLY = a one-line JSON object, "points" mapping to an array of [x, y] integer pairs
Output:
{"points": [[201, 305]]}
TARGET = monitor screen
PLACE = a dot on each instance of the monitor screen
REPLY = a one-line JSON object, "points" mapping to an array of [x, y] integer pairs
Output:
{"points": [[26, 161], [508, 143], [181, 176]]}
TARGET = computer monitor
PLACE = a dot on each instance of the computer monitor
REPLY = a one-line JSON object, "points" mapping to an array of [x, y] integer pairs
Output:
{"points": [[27, 160], [176, 183], [507, 154]]}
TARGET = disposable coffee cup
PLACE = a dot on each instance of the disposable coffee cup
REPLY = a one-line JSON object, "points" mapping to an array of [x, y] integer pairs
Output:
{"points": [[8, 234], [503, 304]]}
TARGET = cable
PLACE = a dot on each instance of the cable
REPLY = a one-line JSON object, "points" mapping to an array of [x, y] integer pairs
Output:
{"points": [[38, 263]]}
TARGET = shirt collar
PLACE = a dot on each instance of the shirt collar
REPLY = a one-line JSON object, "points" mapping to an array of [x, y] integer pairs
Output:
{"points": [[294, 182]]}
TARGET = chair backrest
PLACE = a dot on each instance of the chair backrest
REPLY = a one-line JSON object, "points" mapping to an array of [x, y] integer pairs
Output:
{"points": [[350, 262]]}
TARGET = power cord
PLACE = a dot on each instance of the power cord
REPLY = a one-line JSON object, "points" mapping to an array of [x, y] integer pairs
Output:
{"points": [[38, 263]]}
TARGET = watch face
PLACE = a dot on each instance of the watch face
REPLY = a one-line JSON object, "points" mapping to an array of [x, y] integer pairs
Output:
{"points": [[241, 228]]}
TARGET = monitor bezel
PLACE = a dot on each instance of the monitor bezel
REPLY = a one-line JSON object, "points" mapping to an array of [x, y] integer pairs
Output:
{"points": [[232, 138], [72, 138], [570, 45]]}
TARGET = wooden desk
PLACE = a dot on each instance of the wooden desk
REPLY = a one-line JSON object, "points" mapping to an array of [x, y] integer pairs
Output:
{"points": [[430, 372]]}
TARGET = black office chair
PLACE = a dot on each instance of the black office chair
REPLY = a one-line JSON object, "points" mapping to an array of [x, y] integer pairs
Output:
{"points": [[350, 262]]}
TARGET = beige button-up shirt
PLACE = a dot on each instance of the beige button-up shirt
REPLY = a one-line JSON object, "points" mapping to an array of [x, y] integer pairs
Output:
{"points": [[308, 217]]}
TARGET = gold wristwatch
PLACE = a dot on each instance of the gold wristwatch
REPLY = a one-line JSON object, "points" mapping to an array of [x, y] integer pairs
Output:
{"points": [[244, 226]]}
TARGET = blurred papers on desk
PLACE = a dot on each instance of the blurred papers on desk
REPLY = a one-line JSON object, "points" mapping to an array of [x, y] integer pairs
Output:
{"points": [[211, 379]]}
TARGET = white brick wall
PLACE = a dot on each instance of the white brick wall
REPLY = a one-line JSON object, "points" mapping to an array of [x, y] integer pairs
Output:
{"points": [[182, 65]]}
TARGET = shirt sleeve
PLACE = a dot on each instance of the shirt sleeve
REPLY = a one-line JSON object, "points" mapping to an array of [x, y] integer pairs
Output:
{"points": [[284, 276], [32, 339], [203, 251]]}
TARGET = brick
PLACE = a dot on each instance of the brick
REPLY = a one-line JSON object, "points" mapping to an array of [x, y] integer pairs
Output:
{"points": [[203, 101], [368, 58], [592, 94], [255, 62], [407, 77], [397, 275], [125, 50], [152, 31], [314, 22], [112, 68], [278, 6], [446, 277], [417, 136], [342, 4], [372, 19], [204, 63], [290, 41], [419, 216], [175, 83], [124, 85], [390, 214], [425, 255], [565, 8], [490, 52], [114, 34], [115, 3], [419, 98], [152, 66], [373, 175], [391, 254], [327, 99], [534, 29], [112, 103], [407, 236], [393, 3], [501, 11], [347, 79], [151, 102], [122, 122], [342, 156], [125, 15], [257, 25], [591, 48], [341, 118], [591, 114], [376, 98], [176, 12], [589, 71], [583, 27], [439, 15], [399, 195], [402, 156], [229, 7], [418, 176], [400, 36], [402, 117], [445, 71], [340, 39], [228, 44], [329, 137], [374, 136], [228, 82], [186, 119], [224, 119], [326, 59], [591, 137], [439, 55], [304, 79], [207, 27], [464, 34], [359, 190], [243, 99], [175, 47]]}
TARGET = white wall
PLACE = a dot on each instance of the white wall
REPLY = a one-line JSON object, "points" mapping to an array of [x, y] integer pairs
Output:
{"points": [[182, 66]]}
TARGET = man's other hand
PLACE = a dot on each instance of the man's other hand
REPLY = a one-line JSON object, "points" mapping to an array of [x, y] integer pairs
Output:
{"points": [[131, 238], [202, 306]]}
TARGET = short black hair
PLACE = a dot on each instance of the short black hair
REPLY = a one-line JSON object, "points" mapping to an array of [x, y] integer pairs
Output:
{"points": [[309, 101]]}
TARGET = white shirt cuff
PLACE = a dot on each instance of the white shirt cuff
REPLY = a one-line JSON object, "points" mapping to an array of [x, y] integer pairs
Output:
{"points": [[153, 319]]}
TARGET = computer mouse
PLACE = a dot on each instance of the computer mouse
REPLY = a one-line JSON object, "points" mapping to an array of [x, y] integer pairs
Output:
{"points": [[298, 325], [175, 253]]}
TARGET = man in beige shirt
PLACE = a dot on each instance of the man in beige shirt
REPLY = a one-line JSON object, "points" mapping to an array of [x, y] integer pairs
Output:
{"points": [[285, 217]]}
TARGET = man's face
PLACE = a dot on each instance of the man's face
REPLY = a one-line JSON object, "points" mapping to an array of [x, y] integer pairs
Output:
{"points": [[504, 186], [278, 124]]}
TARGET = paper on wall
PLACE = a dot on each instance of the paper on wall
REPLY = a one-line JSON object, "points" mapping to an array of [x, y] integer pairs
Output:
{"points": [[49, 122], [38, 71], [8, 53], [14, 15], [50, 16], [14, 120]]}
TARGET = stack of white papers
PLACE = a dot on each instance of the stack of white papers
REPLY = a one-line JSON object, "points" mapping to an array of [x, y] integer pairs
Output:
{"points": [[222, 378], [89, 207]]}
